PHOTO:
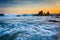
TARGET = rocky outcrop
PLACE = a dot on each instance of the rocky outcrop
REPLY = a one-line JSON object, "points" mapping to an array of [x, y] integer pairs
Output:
{"points": [[1, 14], [41, 13]]}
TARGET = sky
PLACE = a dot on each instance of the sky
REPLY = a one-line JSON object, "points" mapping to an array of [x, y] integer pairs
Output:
{"points": [[29, 6]]}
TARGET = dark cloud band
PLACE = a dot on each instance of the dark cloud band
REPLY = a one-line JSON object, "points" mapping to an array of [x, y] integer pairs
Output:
{"points": [[8, 3]]}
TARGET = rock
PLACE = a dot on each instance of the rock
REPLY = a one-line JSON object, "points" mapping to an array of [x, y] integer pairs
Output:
{"points": [[1, 14], [53, 21]]}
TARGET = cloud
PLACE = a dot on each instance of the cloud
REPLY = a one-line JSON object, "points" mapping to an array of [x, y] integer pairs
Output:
{"points": [[11, 3], [58, 3]]}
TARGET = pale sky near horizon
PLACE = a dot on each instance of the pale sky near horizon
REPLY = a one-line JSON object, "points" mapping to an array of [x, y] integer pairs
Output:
{"points": [[29, 6]]}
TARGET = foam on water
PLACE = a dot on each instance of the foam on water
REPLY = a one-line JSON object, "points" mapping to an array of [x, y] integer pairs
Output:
{"points": [[28, 28]]}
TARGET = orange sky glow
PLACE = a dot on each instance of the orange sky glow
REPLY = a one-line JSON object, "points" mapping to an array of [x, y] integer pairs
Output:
{"points": [[29, 7], [29, 10]]}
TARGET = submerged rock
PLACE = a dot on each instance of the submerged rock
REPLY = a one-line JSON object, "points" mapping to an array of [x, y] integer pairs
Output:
{"points": [[53, 21]]}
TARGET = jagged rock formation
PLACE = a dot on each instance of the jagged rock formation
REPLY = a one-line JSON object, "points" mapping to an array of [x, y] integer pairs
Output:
{"points": [[42, 14]]}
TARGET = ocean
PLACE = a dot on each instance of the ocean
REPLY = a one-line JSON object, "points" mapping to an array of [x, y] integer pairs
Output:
{"points": [[29, 28]]}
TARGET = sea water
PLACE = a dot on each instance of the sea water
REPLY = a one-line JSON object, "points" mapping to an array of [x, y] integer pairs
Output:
{"points": [[29, 28]]}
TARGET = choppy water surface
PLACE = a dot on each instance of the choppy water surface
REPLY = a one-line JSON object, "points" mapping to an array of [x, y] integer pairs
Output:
{"points": [[29, 28]]}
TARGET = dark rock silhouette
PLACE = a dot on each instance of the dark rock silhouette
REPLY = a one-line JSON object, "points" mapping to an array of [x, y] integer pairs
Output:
{"points": [[1, 14], [57, 17], [53, 21], [18, 15], [47, 14], [40, 13]]}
